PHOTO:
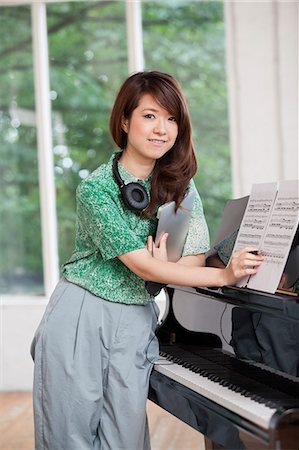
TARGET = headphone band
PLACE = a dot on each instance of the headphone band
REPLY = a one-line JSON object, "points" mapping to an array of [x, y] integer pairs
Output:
{"points": [[133, 194], [115, 171]]}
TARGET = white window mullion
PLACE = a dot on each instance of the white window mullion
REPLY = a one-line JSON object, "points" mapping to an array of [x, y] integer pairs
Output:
{"points": [[44, 143], [134, 36]]}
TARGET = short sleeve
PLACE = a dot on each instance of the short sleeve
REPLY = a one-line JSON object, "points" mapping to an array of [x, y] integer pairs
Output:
{"points": [[197, 240], [104, 223]]}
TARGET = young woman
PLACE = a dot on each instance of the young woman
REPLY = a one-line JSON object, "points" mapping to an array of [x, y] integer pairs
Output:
{"points": [[95, 346]]}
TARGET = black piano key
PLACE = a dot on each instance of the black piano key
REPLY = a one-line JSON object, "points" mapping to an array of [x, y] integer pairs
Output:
{"points": [[239, 376], [273, 380]]}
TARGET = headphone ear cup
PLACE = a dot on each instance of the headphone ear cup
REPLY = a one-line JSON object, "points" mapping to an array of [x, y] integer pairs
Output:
{"points": [[135, 196]]}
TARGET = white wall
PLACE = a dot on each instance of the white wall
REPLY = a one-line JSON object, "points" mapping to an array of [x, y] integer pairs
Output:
{"points": [[262, 68], [19, 319], [20, 316]]}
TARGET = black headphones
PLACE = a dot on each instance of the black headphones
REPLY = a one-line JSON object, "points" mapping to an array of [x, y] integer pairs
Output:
{"points": [[134, 195]]}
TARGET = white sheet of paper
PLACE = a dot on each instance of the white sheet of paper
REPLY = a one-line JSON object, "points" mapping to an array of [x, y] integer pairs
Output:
{"points": [[255, 219], [278, 238]]}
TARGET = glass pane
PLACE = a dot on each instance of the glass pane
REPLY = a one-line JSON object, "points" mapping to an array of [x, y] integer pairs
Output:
{"points": [[186, 39], [88, 59], [21, 268]]}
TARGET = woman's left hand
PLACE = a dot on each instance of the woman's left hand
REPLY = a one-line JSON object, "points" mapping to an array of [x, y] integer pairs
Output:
{"points": [[158, 251], [243, 263]]}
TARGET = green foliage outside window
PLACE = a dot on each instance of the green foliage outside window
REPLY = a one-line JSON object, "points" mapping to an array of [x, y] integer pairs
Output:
{"points": [[186, 38], [88, 62]]}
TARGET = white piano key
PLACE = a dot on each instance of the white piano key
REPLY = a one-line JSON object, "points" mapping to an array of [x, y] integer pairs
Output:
{"points": [[243, 406]]}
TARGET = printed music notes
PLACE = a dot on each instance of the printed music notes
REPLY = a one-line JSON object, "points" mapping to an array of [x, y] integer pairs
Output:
{"points": [[270, 222]]}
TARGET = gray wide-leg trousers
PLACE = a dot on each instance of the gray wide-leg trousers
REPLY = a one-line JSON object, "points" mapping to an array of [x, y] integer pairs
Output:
{"points": [[92, 365]]}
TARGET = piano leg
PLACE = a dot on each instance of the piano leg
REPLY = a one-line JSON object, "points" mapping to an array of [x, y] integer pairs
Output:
{"points": [[288, 433], [249, 444]]}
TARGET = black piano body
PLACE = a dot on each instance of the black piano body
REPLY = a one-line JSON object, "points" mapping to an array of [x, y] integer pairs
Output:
{"points": [[229, 366]]}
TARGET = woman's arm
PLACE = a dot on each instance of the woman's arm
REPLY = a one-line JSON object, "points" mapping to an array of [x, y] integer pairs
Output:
{"points": [[193, 260], [151, 268], [161, 253]]}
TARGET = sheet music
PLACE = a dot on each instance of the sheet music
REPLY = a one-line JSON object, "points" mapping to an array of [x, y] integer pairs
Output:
{"points": [[278, 237], [255, 219]]}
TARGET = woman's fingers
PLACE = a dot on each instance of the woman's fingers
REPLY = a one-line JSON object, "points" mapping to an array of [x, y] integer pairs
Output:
{"points": [[160, 250], [251, 256], [252, 251], [163, 240], [251, 262], [243, 262], [149, 244], [246, 262]]}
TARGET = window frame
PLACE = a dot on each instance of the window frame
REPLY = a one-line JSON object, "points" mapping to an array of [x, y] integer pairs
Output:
{"points": [[44, 128]]}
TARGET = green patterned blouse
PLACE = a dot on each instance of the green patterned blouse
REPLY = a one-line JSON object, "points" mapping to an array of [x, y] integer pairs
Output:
{"points": [[107, 229]]}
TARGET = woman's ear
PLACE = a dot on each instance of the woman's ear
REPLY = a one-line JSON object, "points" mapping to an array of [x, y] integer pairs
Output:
{"points": [[124, 124]]}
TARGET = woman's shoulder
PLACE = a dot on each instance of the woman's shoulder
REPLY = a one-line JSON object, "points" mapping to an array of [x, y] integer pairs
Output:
{"points": [[100, 179], [96, 189]]}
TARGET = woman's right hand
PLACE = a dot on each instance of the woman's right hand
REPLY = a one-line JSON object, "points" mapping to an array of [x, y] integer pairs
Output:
{"points": [[158, 251], [243, 263]]}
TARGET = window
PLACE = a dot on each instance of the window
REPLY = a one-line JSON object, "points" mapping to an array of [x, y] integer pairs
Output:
{"points": [[85, 73], [186, 39], [88, 61], [21, 268]]}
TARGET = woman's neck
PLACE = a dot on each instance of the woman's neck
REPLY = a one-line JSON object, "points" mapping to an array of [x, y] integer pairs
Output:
{"points": [[140, 168]]}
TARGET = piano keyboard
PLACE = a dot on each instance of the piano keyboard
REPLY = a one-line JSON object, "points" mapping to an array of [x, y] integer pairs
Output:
{"points": [[239, 404], [235, 385]]}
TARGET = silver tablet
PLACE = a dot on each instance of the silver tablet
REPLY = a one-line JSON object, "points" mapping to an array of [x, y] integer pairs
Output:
{"points": [[176, 224]]}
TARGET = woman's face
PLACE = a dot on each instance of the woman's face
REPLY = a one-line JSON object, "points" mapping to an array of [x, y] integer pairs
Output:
{"points": [[151, 130]]}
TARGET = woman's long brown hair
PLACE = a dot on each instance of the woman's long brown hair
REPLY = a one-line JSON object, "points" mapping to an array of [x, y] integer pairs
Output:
{"points": [[173, 171]]}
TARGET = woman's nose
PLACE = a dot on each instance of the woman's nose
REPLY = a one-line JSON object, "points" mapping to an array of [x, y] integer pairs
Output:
{"points": [[160, 127]]}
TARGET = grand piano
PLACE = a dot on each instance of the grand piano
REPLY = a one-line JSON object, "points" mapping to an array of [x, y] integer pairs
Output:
{"points": [[229, 366], [229, 357]]}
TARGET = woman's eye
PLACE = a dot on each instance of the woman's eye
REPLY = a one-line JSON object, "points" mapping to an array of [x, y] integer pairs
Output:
{"points": [[172, 119], [149, 116]]}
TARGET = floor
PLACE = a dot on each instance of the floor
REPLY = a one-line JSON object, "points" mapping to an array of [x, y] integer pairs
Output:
{"points": [[16, 426]]}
